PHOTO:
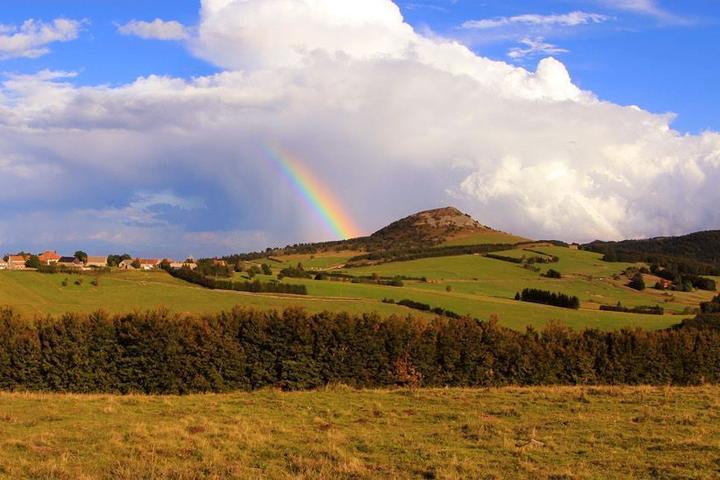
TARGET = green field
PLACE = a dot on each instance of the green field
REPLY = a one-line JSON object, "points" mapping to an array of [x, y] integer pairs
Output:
{"points": [[469, 285], [36, 293], [339, 433], [325, 260]]}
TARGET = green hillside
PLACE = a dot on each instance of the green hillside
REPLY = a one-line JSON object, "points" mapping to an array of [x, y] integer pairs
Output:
{"points": [[36, 293], [458, 265], [472, 285]]}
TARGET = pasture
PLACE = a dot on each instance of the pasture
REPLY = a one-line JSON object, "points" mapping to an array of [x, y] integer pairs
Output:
{"points": [[471, 285], [538, 433]]}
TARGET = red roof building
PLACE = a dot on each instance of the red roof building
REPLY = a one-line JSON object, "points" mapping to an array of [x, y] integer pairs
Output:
{"points": [[48, 257]]}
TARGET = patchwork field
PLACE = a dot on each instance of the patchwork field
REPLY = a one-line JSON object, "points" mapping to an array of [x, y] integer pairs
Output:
{"points": [[35, 293], [472, 285], [538, 433]]}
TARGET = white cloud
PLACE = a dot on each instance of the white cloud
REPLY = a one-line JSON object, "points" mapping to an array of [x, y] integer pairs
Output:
{"points": [[571, 19], [394, 123], [534, 47], [157, 29], [31, 39]]}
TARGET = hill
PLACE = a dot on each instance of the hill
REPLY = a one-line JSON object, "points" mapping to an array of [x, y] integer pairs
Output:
{"points": [[446, 226], [696, 253], [431, 227]]}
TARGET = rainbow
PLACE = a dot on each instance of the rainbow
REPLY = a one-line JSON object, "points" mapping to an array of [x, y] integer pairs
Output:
{"points": [[315, 194]]}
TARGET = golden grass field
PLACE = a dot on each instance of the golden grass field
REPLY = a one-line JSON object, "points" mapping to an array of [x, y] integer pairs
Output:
{"points": [[339, 433]]}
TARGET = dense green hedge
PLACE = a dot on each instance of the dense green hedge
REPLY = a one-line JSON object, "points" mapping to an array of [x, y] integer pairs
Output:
{"points": [[159, 352], [225, 284], [534, 295]]}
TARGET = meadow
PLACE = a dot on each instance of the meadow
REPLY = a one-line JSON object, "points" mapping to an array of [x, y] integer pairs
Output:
{"points": [[33, 293], [340, 433], [471, 285]]}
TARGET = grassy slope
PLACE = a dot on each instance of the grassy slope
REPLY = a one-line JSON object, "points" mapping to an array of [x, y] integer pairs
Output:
{"points": [[538, 433], [483, 238], [322, 260], [512, 314], [479, 287], [585, 276], [35, 293]]}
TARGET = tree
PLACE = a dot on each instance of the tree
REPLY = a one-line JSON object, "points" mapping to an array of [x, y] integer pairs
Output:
{"points": [[266, 270], [552, 273], [135, 263], [115, 260], [82, 256], [637, 282], [33, 262]]}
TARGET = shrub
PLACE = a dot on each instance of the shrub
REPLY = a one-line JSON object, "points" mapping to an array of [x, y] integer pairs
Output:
{"points": [[637, 282], [552, 274]]}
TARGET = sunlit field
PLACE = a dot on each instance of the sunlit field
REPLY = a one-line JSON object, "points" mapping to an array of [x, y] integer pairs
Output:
{"points": [[473, 285], [538, 433]]}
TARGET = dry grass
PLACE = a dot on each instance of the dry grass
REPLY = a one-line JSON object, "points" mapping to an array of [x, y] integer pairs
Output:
{"points": [[544, 433]]}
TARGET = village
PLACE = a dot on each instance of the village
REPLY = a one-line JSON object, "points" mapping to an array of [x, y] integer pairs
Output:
{"points": [[82, 262]]}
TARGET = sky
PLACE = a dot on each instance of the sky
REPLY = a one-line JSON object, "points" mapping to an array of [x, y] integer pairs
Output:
{"points": [[154, 127]]}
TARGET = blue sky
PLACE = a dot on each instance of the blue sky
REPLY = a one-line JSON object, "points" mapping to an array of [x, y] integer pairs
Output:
{"points": [[142, 126], [663, 64]]}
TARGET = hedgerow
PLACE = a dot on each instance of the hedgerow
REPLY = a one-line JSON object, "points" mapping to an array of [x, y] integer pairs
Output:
{"points": [[162, 353]]}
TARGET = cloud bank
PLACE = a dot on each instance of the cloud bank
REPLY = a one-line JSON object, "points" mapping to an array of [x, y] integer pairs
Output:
{"points": [[392, 121], [31, 39]]}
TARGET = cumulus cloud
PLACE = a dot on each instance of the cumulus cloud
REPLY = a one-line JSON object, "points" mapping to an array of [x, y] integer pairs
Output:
{"points": [[157, 29], [390, 120], [571, 19], [31, 39]]}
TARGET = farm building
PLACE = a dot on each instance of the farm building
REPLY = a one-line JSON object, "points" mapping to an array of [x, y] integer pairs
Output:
{"points": [[149, 263], [49, 257], [17, 262], [126, 265], [69, 262], [97, 262], [3, 265], [145, 264]]}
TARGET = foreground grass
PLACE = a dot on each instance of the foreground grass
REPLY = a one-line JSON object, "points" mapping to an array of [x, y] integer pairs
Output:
{"points": [[558, 433]]}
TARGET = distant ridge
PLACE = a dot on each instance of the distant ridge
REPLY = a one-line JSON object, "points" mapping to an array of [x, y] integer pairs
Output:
{"points": [[693, 253]]}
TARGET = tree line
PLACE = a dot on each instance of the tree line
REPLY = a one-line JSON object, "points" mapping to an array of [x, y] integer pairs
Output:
{"points": [[158, 352], [534, 295], [256, 286]]}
